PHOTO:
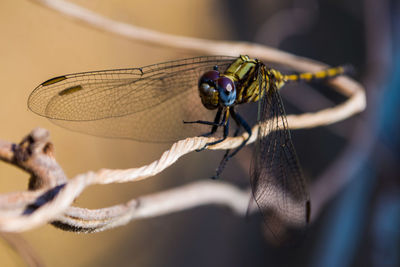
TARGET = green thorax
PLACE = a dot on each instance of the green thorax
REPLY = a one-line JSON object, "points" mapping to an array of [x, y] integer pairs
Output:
{"points": [[245, 72]]}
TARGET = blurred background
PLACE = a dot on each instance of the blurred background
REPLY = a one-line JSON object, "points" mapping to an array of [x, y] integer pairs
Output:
{"points": [[352, 166]]}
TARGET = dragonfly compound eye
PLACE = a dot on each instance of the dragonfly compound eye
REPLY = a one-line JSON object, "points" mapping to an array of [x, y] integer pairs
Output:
{"points": [[227, 91], [207, 89], [210, 76]]}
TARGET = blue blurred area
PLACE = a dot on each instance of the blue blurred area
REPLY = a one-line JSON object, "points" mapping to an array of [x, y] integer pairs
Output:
{"points": [[386, 233], [389, 129], [363, 227], [345, 224]]}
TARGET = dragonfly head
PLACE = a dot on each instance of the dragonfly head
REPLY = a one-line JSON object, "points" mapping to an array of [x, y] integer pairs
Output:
{"points": [[227, 91], [216, 90]]}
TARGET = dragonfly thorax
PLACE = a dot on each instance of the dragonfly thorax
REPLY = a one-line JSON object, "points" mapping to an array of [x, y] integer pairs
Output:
{"points": [[216, 90]]}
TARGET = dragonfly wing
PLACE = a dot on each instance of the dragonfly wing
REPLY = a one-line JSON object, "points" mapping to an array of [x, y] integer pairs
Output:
{"points": [[146, 104], [277, 182]]}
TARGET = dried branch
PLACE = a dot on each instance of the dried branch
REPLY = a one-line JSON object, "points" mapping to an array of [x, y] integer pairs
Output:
{"points": [[51, 194], [50, 201]]}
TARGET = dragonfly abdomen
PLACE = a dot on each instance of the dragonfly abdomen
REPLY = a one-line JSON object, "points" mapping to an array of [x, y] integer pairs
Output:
{"points": [[319, 75]]}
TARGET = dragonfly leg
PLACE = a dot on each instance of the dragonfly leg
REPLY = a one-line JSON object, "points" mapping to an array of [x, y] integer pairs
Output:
{"points": [[204, 122], [225, 123], [214, 127], [240, 123]]}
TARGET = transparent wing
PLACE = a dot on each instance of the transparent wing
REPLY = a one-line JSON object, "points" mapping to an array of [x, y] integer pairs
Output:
{"points": [[146, 104], [277, 183]]}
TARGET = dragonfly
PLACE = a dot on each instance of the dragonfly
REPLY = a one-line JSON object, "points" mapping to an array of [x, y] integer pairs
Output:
{"points": [[193, 97]]}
